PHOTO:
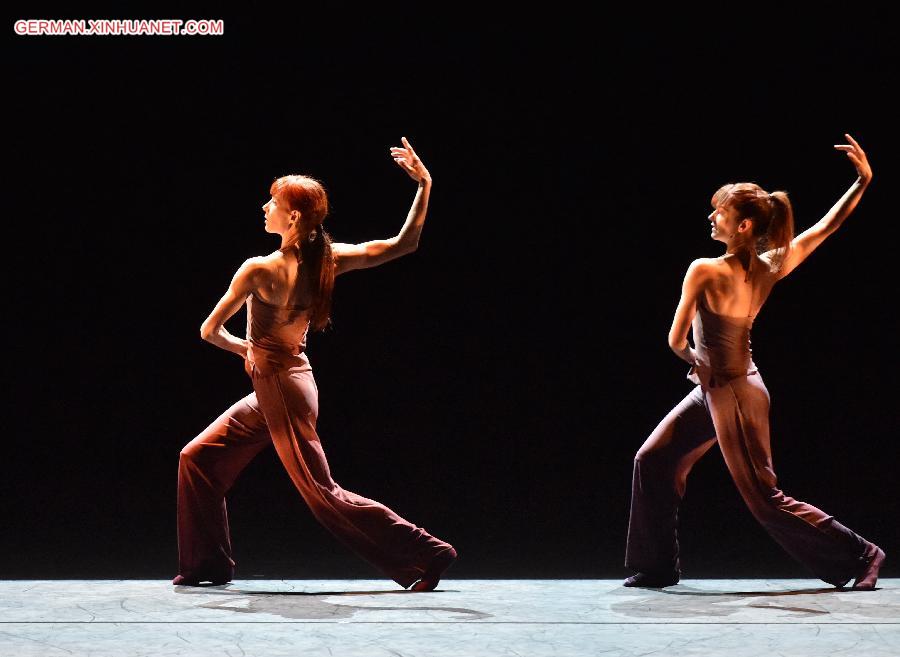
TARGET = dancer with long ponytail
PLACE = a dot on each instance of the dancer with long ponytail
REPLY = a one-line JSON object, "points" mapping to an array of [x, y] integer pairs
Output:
{"points": [[721, 297], [286, 292]]}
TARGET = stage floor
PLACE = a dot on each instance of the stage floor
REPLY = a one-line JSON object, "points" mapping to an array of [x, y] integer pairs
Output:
{"points": [[469, 618]]}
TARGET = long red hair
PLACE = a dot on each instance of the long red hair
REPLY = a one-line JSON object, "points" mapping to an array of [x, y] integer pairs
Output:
{"points": [[307, 196]]}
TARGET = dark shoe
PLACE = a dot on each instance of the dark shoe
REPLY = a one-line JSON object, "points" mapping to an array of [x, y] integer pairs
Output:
{"points": [[652, 580], [435, 569], [866, 580]]}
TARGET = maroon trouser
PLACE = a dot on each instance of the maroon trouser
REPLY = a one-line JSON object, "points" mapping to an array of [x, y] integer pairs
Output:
{"points": [[736, 413], [282, 411]]}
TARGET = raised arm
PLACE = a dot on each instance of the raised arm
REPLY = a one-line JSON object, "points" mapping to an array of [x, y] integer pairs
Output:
{"points": [[377, 252], [810, 239], [249, 277], [694, 282]]}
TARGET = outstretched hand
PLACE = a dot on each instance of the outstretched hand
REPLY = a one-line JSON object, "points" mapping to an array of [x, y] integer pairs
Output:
{"points": [[407, 160], [856, 154]]}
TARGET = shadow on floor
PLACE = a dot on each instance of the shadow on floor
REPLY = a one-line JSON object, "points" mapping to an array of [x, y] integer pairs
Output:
{"points": [[687, 590], [306, 605], [683, 602], [224, 589]]}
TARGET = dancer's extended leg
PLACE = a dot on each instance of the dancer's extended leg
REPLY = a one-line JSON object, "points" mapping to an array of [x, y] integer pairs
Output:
{"points": [[403, 551], [661, 467], [208, 467], [834, 553]]}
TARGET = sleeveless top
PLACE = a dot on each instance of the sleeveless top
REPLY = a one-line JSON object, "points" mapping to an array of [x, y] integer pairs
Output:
{"points": [[722, 344], [276, 336]]}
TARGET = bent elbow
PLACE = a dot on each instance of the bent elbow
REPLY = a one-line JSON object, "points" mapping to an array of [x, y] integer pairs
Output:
{"points": [[405, 248], [205, 332], [675, 344]]}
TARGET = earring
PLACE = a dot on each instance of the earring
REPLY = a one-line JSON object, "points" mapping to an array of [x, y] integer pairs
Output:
{"points": [[312, 235]]}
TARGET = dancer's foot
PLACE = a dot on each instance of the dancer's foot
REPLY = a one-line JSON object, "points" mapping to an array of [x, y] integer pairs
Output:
{"points": [[181, 580], [435, 569], [652, 580], [869, 576]]}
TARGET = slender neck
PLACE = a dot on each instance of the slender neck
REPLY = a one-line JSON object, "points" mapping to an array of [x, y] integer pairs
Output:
{"points": [[293, 236], [289, 239], [745, 256], [740, 246]]}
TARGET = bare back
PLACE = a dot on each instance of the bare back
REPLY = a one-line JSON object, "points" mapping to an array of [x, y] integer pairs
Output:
{"points": [[728, 293], [285, 283]]}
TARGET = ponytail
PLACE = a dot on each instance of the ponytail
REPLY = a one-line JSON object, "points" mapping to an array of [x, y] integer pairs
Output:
{"points": [[318, 258], [780, 231], [771, 214], [307, 195]]}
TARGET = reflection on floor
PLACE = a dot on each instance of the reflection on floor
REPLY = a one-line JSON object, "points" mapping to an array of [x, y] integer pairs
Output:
{"points": [[470, 618]]}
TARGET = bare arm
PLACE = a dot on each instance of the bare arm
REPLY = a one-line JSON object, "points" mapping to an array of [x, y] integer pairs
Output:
{"points": [[810, 239], [694, 281], [248, 278], [376, 252]]}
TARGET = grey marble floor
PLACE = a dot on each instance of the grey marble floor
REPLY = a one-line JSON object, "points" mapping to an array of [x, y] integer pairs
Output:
{"points": [[470, 618]]}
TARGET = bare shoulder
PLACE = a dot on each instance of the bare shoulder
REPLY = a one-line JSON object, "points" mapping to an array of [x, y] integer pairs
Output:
{"points": [[256, 270], [698, 275], [257, 264], [273, 263], [702, 268], [268, 260]]}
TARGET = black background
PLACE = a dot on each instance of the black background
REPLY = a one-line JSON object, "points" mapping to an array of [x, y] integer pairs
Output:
{"points": [[494, 386]]}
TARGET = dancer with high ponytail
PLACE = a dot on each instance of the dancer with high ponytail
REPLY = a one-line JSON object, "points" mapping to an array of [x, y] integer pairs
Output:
{"points": [[286, 292], [730, 404]]}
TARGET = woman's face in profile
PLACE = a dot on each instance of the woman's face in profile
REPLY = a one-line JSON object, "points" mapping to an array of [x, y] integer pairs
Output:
{"points": [[277, 216], [723, 223]]}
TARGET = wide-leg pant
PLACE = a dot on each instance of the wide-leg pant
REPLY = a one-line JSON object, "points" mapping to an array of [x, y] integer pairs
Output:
{"points": [[736, 414], [282, 411]]}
